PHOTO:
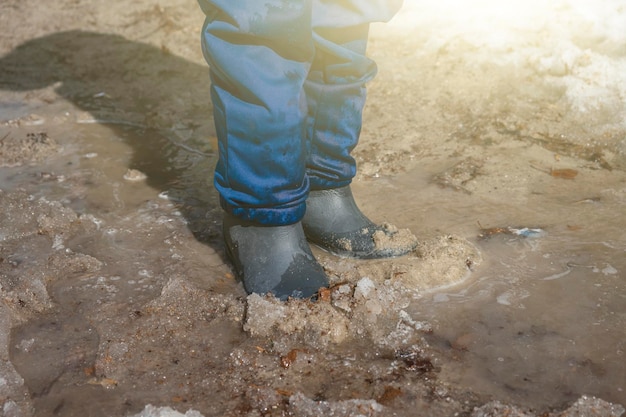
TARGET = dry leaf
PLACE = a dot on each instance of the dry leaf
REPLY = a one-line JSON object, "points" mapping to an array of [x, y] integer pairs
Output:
{"points": [[565, 173]]}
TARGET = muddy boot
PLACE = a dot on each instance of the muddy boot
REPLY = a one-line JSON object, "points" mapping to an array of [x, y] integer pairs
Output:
{"points": [[334, 222], [273, 259]]}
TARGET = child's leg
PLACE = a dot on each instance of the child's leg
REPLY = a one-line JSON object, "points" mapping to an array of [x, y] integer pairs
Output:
{"points": [[259, 53], [335, 87], [336, 93]]}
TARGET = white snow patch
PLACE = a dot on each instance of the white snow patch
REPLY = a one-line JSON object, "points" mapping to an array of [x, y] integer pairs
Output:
{"points": [[577, 44]]}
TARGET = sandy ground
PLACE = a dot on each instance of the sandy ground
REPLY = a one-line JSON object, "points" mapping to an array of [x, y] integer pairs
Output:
{"points": [[114, 295]]}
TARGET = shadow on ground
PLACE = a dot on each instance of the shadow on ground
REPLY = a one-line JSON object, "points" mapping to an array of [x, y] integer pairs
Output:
{"points": [[157, 102]]}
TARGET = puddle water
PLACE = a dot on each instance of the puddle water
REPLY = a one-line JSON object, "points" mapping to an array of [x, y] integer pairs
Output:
{"points": [[114, 293], [543, 319], [539, 323], [93, 173]]}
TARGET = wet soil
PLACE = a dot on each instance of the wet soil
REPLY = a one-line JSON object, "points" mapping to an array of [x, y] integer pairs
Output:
{"points": [[115, 296]]}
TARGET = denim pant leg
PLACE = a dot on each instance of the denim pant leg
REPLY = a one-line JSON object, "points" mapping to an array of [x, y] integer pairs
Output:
{"points": [[259, 53], [335, 87]]}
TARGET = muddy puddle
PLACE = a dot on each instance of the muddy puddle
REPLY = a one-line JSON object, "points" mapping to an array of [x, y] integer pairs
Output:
{"points": [[506, 162], [542, 319], [523, 302]]}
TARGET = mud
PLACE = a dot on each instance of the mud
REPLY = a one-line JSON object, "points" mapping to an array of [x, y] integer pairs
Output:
{"points": [[115, 296]]}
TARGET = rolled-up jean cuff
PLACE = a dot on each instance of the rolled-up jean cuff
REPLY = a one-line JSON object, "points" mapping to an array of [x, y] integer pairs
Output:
{"points": [[317, 184], [266, 216]]}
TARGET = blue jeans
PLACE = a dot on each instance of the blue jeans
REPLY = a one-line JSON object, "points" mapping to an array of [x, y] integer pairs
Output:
{"points": [[288, 89]]}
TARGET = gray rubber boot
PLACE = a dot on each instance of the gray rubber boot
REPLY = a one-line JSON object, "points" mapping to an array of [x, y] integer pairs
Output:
{"points": [[273, 259], [334, 222]]}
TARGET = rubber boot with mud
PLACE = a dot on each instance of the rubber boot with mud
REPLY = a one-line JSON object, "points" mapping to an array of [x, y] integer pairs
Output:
{"points": [[273, 259], [334, 222]]}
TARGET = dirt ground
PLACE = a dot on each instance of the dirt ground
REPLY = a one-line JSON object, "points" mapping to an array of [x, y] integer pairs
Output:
{"points": [[115, 298]]}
